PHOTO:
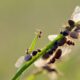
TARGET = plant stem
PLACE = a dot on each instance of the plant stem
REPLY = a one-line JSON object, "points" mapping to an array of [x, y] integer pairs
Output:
{"points": [[28, 63]]}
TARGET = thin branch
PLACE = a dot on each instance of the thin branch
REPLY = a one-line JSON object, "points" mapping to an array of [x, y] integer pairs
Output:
{"points": [[39, 54]]}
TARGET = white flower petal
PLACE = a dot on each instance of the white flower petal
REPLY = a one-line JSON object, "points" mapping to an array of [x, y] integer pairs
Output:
{"points": [[52, 37], [19, 62]]}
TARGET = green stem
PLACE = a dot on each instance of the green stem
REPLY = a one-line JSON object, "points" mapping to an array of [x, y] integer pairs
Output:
{"points": [[33, 44], [34, 41], [28, 63]]}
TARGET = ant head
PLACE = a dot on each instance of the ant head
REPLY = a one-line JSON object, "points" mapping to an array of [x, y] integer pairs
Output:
{"points": [[71, 23]]}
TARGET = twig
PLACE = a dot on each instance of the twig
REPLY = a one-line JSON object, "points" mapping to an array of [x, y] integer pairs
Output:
{"points": [[39, 54]]}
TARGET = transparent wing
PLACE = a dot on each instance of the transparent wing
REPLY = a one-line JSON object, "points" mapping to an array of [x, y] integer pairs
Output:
{"points": [[40, 63], [53, 76], [76, 14], [52, 37], [65, 51], [19, 62]]}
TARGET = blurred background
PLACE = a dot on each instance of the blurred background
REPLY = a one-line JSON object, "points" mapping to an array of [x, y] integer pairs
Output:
{"points": [[19, 19]]}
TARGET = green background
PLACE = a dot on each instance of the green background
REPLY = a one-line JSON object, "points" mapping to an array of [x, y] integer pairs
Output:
{"points": [[19, 19]]}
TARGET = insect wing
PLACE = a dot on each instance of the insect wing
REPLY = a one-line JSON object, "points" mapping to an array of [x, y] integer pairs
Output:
{"points": [[76, 14], [65, 51], [40, 63], [52, 37], [53, 76], [19, 62]]}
